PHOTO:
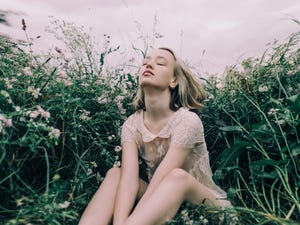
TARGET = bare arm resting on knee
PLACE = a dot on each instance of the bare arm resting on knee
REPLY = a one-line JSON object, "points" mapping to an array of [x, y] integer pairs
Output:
{"points": [[129, 183]]}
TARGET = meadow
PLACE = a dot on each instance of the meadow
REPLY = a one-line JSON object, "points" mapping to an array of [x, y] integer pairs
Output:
{"points": [[60, 118]]}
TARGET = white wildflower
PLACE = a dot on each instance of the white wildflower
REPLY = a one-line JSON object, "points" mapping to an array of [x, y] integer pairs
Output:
{"points": [[118, 148], [27, 71], [99, 178], [64, 205], [263, 88], [102, 100], [203, 220], [94, 164], [54, 133], [280, 122], [272, 111], [34, 91], [89, 171], [33, 114]]}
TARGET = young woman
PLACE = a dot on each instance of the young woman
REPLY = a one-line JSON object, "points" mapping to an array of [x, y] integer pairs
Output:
{"points": [[169, 137]]}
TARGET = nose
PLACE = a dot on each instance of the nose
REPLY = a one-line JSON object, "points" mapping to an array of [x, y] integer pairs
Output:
{"points": [[149, 64]]}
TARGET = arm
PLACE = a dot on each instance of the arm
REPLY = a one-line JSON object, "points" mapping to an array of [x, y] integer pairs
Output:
{"points": [[174, 158], [187, 133], [129, 183]]}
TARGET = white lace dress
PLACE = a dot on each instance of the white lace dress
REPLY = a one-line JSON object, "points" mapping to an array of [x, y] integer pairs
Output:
{"points": [[183, 128]]}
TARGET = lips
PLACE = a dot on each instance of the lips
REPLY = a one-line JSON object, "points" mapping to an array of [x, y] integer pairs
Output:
{"points": [[148, 73]]}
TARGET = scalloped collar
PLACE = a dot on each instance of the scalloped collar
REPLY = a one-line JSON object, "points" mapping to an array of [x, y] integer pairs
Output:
{"points": [[165, 132]]}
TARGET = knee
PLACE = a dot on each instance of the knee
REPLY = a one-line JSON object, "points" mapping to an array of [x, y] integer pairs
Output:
{"points": [[177, 176], [113, 173]]}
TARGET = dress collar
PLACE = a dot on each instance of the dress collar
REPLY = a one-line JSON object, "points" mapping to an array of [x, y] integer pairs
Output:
{"points": [[165, 132]]}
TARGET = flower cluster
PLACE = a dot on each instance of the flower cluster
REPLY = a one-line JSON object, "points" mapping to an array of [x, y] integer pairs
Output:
{"points": [[4, 122], [35, 92], [39, 112], [54, 133], [85, 114], [63, 78]]}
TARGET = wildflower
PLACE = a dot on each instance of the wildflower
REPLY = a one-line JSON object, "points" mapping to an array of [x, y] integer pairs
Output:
{"points": [[280, 122], [99, 178], [62, 75], [84, 84], [85, 114], [56, 177], [84, 117], [19, 201], [5, 94], [27, 71], [117, 164], [5, 121], [54, 133], [8, 83], [102, 100], [111, 137], [64, 205], [94, 164], [33, 114], [17, 108], [263, 88], [8, 123], [272, 111], [43, 113], [118, 148], [89, 171], [203, 220], [34, 91]]}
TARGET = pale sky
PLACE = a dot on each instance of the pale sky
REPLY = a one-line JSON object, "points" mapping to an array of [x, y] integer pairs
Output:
{"points": [[209, 34]]}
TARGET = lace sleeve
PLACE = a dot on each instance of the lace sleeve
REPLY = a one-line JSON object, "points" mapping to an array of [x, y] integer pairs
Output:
{"points": [[128, 131], [188, 132]]}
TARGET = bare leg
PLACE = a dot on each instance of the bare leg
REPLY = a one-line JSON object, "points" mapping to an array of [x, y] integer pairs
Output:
{"points": [[100, 209], [164, 203]]}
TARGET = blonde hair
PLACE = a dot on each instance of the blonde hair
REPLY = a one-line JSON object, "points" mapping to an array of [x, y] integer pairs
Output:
{"points": [[188, 93]]}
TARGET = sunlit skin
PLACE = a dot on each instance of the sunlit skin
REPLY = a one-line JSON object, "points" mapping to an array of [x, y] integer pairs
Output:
{"points": [[170, 186]]}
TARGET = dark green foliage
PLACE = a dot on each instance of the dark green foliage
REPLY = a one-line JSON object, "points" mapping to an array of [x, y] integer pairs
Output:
{"points": [[252, 127]]}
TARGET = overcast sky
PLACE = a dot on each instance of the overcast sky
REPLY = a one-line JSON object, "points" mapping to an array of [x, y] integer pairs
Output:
{"points": [[210, 34]]}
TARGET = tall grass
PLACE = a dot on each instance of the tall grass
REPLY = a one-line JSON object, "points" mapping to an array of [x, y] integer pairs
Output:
{"points": [[252, 124], [60, 115]]}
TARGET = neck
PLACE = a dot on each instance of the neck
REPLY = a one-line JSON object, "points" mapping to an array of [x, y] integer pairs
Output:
{"points": [[157, 104]]}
